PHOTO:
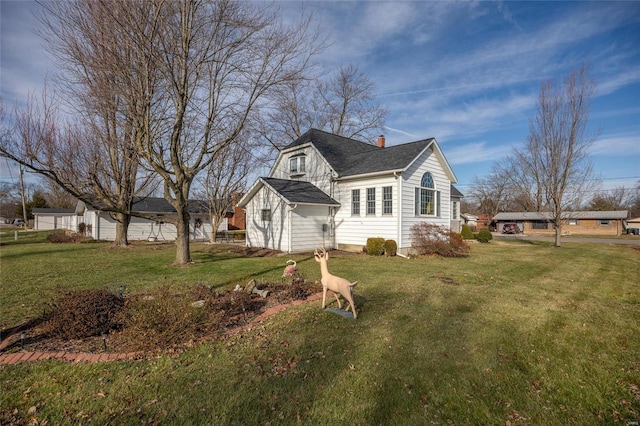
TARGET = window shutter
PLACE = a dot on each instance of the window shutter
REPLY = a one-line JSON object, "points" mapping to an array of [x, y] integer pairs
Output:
{"points": [[438, 203], [417, 202]]}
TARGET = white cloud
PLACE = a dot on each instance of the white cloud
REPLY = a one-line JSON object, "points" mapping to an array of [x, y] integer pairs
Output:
{"points": [[622, 144], [476, 152]]}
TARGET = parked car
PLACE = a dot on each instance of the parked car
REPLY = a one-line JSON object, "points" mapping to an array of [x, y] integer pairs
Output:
{"points": [[18, 222], [510, 228]]}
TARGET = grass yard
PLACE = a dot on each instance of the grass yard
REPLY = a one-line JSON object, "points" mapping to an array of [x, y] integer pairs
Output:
{"points": [[516, 333]]}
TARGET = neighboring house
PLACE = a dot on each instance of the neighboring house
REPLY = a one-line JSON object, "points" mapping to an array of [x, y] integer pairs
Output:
{"points": [[483, 222], [634, 224], [583, 222], [101, 226], [47, 219], [470, 220], [330, 191], [237, 221]]}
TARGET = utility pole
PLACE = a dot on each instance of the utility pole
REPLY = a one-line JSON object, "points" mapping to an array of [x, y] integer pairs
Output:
{"points": [[24, 205]]}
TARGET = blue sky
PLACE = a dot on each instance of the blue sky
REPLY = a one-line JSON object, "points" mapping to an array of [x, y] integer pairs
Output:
{"points": [[466, 73]]}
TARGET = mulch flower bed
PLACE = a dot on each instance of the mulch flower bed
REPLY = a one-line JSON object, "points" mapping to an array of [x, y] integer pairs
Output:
{"points": [[161, 322]]}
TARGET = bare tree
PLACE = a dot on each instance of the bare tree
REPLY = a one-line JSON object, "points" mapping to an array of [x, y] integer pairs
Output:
{"points": [[555, 157], [491, 192], [634, 202], [343, 104], [226, 177], [90, 164], [619, 198], [93, 156], [56, 196], [349, 99], [213, 64]]}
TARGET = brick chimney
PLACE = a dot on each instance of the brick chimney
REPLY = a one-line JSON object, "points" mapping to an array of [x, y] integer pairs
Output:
{"points": [[381, 141]]}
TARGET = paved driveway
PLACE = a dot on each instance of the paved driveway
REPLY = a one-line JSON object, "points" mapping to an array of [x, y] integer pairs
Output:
{"points": [[630, 241]]}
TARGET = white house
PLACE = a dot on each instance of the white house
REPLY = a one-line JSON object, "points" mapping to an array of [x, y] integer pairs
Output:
{"points": [[101, 226], [330, 191]]}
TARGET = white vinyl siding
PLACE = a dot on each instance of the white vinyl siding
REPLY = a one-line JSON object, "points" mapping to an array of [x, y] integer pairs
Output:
{"points": [[309, 234], [103, 227], [317, 170], [273, 233], [355, 229], [412, 178]]}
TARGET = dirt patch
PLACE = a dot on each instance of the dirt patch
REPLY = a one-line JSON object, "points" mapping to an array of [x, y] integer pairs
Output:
{"points": [[163, 321]]}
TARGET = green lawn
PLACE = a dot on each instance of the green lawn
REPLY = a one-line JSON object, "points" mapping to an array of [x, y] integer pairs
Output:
{"points": [[517, 333]]}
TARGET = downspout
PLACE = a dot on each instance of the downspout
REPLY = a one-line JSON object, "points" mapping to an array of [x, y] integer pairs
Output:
{"points": [[398, 177], [289, 227]]}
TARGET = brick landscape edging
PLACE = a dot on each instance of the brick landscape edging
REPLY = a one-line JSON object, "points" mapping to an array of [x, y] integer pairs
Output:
{"points": [[16, 357]]}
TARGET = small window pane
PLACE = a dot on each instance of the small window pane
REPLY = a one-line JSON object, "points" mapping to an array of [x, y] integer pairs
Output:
{"points": [[371, 201], [387, 200], [266, 215], [293, 165], [355, 202], [426, 202], [427, 181]]}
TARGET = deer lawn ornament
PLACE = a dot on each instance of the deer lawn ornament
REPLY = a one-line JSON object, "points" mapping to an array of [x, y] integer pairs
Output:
{"points": [[336, 284]]}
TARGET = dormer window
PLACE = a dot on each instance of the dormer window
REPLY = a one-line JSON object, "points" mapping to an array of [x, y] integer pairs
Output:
{"points": [[297, 165]]}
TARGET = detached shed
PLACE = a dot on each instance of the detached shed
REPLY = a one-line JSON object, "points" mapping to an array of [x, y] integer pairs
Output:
{"points": [[101, 226], [48, 219]]}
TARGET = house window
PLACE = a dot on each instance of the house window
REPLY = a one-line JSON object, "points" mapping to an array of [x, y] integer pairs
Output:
{"points": [[297, 165], [539, 224], [427, 197], [604, 222], [455, 210], [371, 201], [355, 202], [266, 215], [387, 197], [572, 222]]}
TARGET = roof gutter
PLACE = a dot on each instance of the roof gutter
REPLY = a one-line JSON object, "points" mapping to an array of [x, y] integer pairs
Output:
{"points": [[368, 175]]}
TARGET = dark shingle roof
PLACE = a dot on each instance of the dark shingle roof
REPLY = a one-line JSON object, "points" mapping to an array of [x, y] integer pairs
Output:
{"points": [[349, 157], [52, 211], [152, 205], [455, 192], [295, 191]]}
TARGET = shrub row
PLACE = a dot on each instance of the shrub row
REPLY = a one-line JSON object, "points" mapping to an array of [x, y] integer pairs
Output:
{"points": [[378, 246], [484, 236], [429, 239]]}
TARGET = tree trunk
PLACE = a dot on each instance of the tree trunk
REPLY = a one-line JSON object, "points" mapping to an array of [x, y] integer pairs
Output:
{"points": [[183, 253], [122, 229], [558, 235], [215, 224]]}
